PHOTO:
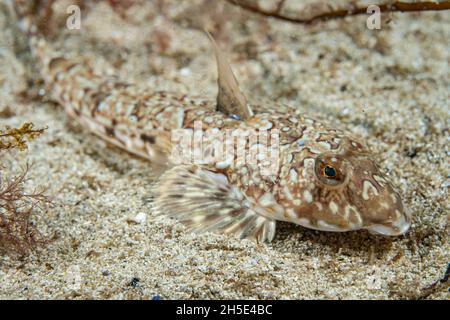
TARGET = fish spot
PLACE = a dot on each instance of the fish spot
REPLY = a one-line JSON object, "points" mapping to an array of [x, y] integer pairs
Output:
{"points": [[357, 217], [346, 212], [208, 120], [222, 164], [300, 142], [293, 176], [291, 213], [324, 226], [266, 199], [304, 222], [314, 150], [268, 125], [289, 158], [80, 94], [287, 193], [384, 205], [198, 218], [367, 186], [394, 198], [325, 144], [101, 106], [307, 196], [333, 207], [150, 151], [352, 216]]}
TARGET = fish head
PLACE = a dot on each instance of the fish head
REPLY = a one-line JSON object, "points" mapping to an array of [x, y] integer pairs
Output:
{"points": [[342, 190]]}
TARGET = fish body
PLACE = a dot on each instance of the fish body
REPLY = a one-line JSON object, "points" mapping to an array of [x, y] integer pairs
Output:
{"points": [[288, 167]]}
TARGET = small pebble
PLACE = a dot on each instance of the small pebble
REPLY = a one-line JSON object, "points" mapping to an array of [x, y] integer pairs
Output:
{"points": [[106, 273], [134, 282], [139, 218], [185, 72]]}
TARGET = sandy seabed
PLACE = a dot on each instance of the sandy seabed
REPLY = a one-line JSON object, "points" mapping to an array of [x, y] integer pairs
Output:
{"points": [[390, 87]]}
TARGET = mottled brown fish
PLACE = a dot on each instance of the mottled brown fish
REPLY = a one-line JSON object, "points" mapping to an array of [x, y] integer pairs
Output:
{"points": [[322, 178]]}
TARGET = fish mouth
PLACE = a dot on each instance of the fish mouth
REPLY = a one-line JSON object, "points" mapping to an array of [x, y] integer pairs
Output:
{"points": [[395, 228]]}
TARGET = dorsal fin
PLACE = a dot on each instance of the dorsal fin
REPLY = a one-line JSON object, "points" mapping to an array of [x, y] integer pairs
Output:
{"points": [[230, 99]]}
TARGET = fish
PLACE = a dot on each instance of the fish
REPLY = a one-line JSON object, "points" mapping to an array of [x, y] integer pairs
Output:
{"points": [[286, 166]]}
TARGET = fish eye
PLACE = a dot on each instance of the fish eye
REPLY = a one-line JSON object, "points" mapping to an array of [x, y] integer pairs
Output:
{"points": [[329, 171]]}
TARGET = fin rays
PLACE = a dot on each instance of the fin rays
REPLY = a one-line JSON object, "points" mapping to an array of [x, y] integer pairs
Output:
{"points": [[230, 99], [204, 201]]}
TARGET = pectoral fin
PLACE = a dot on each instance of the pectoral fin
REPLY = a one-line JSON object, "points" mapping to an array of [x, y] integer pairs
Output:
{"points": [[230, 99], [204, 200]]}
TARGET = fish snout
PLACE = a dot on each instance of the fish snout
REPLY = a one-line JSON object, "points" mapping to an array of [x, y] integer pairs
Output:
{"points": [[387, 216], [395, 227], [382, 210]]}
